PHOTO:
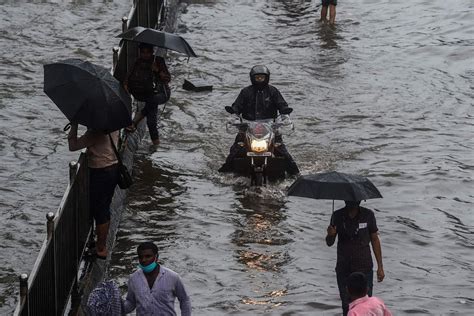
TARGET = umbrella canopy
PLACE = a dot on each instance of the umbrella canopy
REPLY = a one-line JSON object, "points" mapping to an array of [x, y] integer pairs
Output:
{"points": [[334, 186], [158, 38], [88, 94]]}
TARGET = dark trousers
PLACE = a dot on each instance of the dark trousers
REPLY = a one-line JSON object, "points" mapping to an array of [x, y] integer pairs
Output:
{"points": [[342, 285], [150, 111], [238, 151], [102, 182]]}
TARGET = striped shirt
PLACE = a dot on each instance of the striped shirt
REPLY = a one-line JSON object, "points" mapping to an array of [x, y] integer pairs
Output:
{"points": [[159, 300]]}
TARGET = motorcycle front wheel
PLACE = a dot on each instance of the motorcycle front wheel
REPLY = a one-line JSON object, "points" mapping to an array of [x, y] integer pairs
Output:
{"points": [[258, 179]]}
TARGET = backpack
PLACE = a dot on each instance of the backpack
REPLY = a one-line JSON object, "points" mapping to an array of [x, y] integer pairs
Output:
{"points": [[141, 79]]}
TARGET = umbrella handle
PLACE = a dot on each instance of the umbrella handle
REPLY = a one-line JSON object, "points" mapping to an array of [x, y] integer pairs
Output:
{"points": [[332, 223], [67, 127]]}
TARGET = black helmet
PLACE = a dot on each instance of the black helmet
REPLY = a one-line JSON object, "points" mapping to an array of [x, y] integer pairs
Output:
{"points": [[259, 70]]}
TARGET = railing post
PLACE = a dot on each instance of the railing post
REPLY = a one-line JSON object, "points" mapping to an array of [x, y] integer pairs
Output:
{"points": [[125, 44], [72, 170], [50, 224], [24, 292], [115, 51], [124, 24], [148, 14]]}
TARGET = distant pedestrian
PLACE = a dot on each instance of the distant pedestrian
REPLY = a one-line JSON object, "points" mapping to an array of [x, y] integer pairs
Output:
{"points": [[361, 304], [356, 229], [331, 4], [152, 289], [103, 177], [148, 81]]}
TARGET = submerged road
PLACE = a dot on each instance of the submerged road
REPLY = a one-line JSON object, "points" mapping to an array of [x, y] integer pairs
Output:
{"points": [[386, 94]]}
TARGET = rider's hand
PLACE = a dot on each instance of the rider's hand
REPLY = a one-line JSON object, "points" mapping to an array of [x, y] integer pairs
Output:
{"points": [[285, 118]]}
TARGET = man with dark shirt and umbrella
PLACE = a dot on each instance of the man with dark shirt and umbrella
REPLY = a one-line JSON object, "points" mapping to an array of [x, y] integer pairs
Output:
{"points": [[357, 229]]}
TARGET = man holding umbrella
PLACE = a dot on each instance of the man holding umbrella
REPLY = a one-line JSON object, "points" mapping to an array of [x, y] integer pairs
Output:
{"points": [[354, 225], [148, 81], [150, 69], [357, 229], [89, 95]]}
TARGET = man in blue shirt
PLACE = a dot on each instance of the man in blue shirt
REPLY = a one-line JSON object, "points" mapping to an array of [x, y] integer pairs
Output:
{"points": [[356, 229], [152, 289]]}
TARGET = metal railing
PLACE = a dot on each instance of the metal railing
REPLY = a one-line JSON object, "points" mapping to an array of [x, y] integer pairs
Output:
{"points": [[54, 277], [146, 13], [46, 291]]}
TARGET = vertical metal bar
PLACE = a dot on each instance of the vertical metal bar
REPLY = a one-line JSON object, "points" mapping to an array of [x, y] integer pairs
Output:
{"points": [[138, 12], [75, 295], [125, 44], [24, 293], [54, 267], [72, 170], [115, 51], [50, 224], [124, 24], [148, 13], [73, 174]]}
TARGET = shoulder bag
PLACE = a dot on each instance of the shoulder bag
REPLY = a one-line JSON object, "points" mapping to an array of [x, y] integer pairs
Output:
{"points": [[125, 179]]}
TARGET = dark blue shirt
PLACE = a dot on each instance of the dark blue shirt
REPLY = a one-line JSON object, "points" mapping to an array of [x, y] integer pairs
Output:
{"points": [[353, 243]]}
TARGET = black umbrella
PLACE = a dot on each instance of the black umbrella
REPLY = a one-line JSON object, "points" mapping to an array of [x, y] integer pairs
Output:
{"points": [[334, 186], [158, 38], [88, 94]]}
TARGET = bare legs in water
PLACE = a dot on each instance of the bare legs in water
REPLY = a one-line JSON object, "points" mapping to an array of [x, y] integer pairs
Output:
{"points": [[332, 13]]}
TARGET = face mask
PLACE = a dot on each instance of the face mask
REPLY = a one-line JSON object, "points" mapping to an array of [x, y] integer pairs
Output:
{"points": [[148, 268]]}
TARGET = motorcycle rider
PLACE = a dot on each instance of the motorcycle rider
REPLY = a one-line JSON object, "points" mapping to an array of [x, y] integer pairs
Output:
{"points": [[259, 101]]}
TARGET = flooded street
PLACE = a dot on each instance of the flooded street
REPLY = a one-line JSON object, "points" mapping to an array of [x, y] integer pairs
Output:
{"points": [[33, 148], [387, 94]]}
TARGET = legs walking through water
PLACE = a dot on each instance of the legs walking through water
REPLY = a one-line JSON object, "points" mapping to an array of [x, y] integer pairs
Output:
{"points": [[102, 183], [150, 111], [331, 5], [324, 13], [332, 14], [102, 231]]}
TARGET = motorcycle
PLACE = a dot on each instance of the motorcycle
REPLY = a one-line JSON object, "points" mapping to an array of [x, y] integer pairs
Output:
{"points": [[260, 139]]}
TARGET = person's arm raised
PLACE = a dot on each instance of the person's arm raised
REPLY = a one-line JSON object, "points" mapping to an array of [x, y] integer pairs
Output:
{"points": [[76, 143]]}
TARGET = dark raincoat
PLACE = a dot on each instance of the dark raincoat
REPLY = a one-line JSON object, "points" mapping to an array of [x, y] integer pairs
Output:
{"points": [[255, 104]]}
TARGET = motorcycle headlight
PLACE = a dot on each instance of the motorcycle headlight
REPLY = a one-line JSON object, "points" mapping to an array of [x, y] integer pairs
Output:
{"points": [[259, 145]]}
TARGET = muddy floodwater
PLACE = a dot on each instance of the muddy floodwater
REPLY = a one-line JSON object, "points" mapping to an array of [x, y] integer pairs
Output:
{"points": [[387, 93]]}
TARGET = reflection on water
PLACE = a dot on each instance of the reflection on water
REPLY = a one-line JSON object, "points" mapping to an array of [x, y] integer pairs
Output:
{"points": [[260, 226], [329, 35]]}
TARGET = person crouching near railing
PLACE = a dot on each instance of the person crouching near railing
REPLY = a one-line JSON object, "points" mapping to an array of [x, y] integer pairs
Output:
{"points": [[103, 177]]}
